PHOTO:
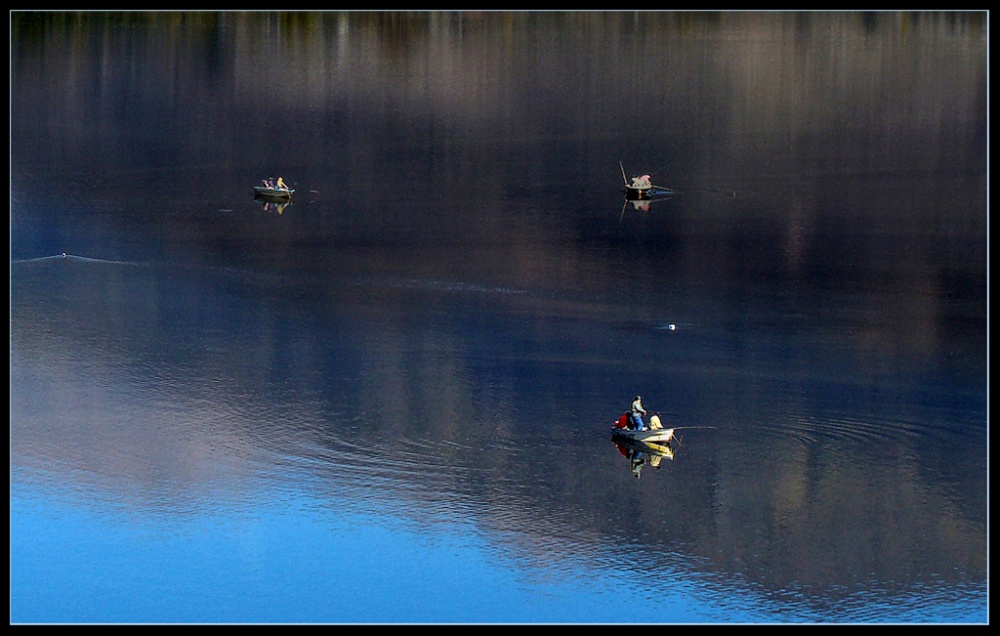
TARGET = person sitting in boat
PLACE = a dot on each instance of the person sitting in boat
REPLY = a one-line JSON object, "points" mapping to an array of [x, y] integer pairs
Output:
{"points": [[642, 183], [654, 422], [637, 413], [281, 184]]}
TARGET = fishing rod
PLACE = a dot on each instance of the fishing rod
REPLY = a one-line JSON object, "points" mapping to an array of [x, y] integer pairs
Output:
{"points": [[678, 428], [653, 188]]}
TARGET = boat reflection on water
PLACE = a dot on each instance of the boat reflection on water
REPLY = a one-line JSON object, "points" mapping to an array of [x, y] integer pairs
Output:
{"points": [[640, 205], [641, 454], [274, 195], [641, 192], [272, 206], [643, 203]]}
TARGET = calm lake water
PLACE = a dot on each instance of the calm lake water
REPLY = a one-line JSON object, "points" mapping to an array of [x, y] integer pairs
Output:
{"points": [[390, 401]]}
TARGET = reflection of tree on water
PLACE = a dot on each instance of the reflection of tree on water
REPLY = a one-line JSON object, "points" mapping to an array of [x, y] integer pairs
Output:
{"points": [[641, 454]]}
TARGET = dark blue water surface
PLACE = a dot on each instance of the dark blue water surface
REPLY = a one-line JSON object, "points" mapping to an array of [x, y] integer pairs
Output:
{"points": [[390, 400]]}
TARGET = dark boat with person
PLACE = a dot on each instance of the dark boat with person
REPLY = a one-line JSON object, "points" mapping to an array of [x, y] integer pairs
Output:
{"points": [[273, 191], [641, 188]]}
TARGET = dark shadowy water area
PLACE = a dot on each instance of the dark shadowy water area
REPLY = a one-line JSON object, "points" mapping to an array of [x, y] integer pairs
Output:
{"points": [[390, 400]]}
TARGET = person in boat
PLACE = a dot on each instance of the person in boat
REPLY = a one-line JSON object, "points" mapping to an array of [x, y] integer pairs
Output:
{"points": [[281, 184], [637, 413], [642, 183], [654, 422]]}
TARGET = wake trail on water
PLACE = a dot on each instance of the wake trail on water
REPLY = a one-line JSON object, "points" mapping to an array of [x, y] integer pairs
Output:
{"points": [[69, 257]]}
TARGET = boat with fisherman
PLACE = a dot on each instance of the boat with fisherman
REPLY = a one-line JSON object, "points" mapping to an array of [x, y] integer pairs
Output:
{"points": [[641, 187], [273, 190], [653, 433]]}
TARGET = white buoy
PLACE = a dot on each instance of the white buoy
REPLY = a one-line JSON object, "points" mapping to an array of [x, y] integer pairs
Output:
{"points": [[671, 326]]}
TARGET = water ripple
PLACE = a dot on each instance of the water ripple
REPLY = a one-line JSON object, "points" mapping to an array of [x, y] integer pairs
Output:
{"points": [[816, 426], [68, 258]]}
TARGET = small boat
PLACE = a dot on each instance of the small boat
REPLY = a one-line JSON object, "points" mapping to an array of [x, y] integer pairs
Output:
{"points": [[641, 188], [638, 188], [271, 190], [272, 194], [653, 433], [646, 436]]}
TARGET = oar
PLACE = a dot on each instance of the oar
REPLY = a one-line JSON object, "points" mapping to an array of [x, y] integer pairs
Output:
{"points": [[623, 172]]}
